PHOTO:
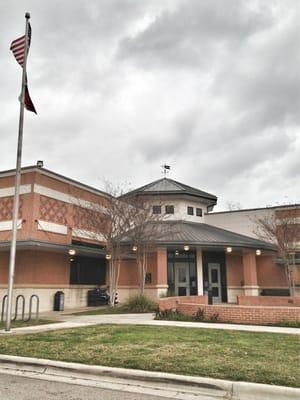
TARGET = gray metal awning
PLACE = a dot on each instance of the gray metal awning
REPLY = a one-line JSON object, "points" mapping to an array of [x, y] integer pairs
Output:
{"points": [[40, 245]]}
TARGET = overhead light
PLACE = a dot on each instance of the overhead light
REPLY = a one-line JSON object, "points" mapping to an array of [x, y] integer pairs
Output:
{"points": [[71, 259], [229, 249], [72, 252], [258, 252], [108, 256], [186, 248], [134, 248], [176, 253]]}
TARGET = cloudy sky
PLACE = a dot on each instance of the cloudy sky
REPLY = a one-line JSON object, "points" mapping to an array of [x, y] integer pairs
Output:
{"points": [[210, 87]]}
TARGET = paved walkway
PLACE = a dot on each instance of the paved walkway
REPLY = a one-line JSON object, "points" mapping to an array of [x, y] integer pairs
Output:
{"points": [[74, 321]]}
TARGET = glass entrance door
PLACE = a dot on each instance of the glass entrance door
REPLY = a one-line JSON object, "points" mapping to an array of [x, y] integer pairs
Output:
{"points": [[182, 286], [214, 281]]}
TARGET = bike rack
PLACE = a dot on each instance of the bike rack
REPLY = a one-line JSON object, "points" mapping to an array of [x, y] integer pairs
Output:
{"points": [[3, 307], [19, 298], [30, 307]]}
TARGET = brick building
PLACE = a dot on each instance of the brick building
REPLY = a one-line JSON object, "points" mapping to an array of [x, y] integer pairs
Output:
{"points": [[57, 250]]}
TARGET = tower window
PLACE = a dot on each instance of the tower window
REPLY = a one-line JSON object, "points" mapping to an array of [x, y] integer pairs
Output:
{"points": [[190, 210], [156, 209], [199, 212], [169, 209]]}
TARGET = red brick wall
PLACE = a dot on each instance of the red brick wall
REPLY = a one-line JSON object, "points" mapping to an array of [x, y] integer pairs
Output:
{"points": [[242, 314], [269, 301], [168, 303]]}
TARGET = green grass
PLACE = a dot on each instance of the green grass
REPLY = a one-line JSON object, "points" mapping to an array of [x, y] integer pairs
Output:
{"points": [[247, 356], [21, 324]]}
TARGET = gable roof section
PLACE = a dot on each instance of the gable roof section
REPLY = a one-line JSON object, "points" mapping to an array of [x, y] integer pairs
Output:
{"points": [[165, 186]]}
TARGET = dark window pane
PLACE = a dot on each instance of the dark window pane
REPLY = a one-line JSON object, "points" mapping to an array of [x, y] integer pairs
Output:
{"points": [[190, 210], [181, 291], [169, 209], [87, 271], [156, 209], [182, 274], [214, 276], [215, 292], [199, 212]]}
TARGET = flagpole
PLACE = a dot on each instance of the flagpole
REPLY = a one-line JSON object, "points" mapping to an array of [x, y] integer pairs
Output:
{"points": [[12, 259]]}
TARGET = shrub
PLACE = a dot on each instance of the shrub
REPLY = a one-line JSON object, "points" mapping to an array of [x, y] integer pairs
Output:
{"points": [[199, 316], [289, 324], [140, 304], [172, 315]]}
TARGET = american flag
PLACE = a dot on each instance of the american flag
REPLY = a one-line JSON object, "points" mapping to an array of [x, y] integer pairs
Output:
{"points": [[18, 47]]}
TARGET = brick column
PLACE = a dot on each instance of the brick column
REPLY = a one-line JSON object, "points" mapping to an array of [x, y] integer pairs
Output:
{"points": [[250, 274], [162, 275]]}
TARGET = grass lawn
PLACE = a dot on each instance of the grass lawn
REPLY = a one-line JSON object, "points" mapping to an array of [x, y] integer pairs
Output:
{"points": [[248, 356], [119, 309], [20, 324]]}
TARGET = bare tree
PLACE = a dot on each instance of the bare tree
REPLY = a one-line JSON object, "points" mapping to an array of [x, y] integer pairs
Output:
{"points": [[283, 229], [147, 227], [107, 223]]}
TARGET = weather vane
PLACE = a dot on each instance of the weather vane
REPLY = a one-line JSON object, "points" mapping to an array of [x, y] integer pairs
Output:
{"points": [[165, 169]]}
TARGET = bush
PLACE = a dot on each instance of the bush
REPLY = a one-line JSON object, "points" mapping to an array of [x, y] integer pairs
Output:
{"points": [[140, 304], [171, 315], [289, 324]]}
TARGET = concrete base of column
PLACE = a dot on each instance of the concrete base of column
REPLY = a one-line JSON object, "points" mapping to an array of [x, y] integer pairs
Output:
{"points": [[251, 290]]}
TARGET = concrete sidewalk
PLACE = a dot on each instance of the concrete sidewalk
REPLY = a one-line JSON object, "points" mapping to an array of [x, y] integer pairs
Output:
{"points": [[74, 321], [162, 384]]}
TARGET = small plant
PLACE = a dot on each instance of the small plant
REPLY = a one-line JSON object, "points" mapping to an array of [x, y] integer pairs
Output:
{"points": [[140, 304], [199, 316], [214, 317]]}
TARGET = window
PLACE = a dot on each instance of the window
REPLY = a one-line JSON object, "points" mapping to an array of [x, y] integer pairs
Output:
{"points": [[169, 209], [87, 271], [199, 212], [156, 209], [190, 210]]}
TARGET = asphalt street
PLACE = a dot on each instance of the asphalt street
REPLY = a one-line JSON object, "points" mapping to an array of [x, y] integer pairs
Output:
{"points": [[23, 388]]}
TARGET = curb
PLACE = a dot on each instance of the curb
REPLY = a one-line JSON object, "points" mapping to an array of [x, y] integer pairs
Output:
{"points": [[233, 390]]}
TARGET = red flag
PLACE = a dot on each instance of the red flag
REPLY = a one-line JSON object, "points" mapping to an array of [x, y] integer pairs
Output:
{"points": [[18, 47], [27, 101]]}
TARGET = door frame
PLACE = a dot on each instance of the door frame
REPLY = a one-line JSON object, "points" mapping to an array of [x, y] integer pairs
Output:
{"points": [[217, 266], [185, 284], [215, 257]]}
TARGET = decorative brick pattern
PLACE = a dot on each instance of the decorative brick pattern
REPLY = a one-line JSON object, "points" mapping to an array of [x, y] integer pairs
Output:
{"points": [[84, 218], [6, 208], [53, 210]]}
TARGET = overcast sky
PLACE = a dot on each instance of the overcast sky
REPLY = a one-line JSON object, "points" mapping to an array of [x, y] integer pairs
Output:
{"points": [[121, 87]]}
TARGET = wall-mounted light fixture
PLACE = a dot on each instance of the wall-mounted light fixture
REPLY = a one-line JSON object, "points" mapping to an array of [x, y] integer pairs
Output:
{"points": [[108, 256], [228, 249], [186, 248], [72, 252], [176, 253], [258, 252], [134, 248]]}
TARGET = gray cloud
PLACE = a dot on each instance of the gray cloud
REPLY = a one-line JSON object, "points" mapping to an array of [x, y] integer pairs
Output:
{"points": [[122, 86]]}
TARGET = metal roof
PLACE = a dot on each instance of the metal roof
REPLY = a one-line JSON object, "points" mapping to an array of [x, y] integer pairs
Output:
{"points": [[191, 233], [167, 186], [33, 244]]}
